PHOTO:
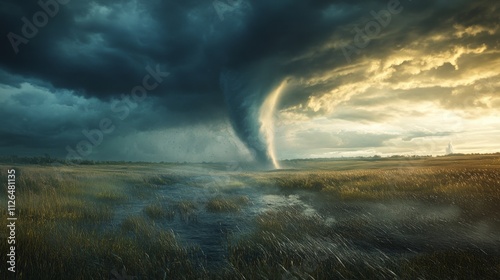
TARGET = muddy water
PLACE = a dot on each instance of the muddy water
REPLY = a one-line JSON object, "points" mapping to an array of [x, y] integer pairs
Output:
{"points": [[210, 230]]}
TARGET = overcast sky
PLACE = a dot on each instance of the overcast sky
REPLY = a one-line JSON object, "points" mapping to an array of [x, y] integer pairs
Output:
{"points": [[359, 77]]}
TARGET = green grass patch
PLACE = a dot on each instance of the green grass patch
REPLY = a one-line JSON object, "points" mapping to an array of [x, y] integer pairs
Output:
{"points": [[226, 204], [157, 211]]}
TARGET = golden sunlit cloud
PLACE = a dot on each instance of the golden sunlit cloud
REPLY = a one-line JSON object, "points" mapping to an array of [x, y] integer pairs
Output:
{"points": [[266, 118], [441, 87]]}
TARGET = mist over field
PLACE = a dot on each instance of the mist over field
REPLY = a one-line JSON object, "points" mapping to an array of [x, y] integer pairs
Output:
{"points": [[375, 218]]}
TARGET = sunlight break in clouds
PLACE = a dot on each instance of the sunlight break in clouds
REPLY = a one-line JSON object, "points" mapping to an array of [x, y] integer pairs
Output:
{"points": [[266, 119]]}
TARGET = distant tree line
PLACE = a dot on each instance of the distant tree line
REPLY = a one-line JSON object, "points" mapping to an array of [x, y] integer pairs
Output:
{"points": [[43, 160], [49, 160], [379, 157]]}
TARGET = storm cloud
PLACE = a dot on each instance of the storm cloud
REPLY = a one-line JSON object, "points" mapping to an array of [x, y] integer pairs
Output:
{"points": [[431, 59]]}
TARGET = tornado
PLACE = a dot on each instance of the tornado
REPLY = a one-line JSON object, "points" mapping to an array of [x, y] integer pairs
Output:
{"points": [[251, 99]]}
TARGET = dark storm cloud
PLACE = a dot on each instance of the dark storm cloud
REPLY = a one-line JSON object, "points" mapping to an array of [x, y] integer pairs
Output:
{"points": [[100, 49]]}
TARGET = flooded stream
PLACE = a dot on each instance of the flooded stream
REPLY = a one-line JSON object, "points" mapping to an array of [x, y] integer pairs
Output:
{"points": [[382, 227]]}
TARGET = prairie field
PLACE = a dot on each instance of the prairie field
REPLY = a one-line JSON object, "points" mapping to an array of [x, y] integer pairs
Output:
{"points": [[364, 218]]}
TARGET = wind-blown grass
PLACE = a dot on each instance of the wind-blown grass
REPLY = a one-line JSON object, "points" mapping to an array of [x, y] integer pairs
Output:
{"points": [[67, 227], [158, 212], [61, 232], [226, 204]]}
